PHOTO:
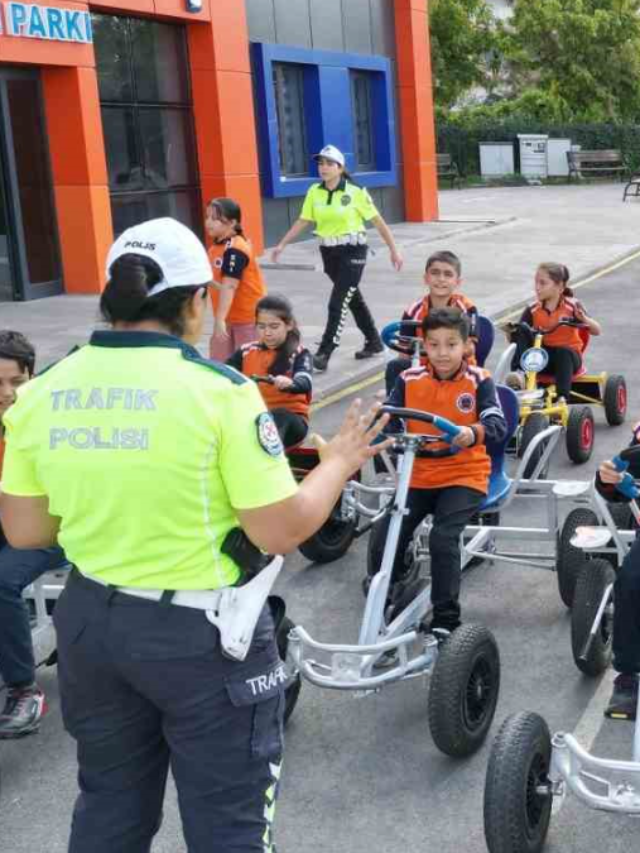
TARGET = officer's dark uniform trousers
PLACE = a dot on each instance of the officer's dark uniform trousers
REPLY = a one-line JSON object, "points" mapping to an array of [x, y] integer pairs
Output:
{"points": [[145, 686], [345, 265]]}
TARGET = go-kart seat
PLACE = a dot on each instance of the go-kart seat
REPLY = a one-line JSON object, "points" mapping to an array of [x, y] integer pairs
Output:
{"points": [[547, 379], [499, 482], [486, 337]]}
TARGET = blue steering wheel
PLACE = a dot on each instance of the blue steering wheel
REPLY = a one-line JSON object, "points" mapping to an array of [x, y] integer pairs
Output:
{"points": [[448, 430], [392, 338]]}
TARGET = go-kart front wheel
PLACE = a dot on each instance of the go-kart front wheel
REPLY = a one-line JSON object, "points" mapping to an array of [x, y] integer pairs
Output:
{"points": [[517, 800], [534, 424], [615, 400], [593, 580], [580, 434], [332, 541], [464, 690], [570, 560]]}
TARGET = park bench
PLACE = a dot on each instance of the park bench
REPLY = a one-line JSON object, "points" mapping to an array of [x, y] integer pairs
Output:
{"points": [[604, 162], [447, 168]]}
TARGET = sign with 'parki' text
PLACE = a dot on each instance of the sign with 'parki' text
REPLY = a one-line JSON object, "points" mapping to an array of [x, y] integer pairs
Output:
{"points": [[28, 20]]}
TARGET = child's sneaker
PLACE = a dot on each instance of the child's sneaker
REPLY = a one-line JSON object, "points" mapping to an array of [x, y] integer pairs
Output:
{"points": [[23, 710], [624, 699]]}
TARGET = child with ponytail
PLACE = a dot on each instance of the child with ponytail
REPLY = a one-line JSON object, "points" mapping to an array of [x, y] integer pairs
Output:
{"points": [[237, 280], [279, 355], [564, 346]]}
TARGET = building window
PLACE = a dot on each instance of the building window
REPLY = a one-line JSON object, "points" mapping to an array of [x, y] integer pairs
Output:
{"points": [[147, 119], [364, 150], [288, 85]]}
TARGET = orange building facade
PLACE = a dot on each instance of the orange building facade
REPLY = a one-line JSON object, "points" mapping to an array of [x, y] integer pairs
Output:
{"points": [[114, 112]]}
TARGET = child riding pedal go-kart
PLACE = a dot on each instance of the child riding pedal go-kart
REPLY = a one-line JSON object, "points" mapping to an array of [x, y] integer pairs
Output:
{"points": [[440, 425], [541, 404]]}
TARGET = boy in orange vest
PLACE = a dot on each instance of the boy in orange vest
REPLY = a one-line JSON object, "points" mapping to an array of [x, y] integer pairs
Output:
{"points": [[451, 488]]}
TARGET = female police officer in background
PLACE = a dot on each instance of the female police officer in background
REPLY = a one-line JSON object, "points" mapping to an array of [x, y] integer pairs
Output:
{"points": [[339, 208], [140, 457]]}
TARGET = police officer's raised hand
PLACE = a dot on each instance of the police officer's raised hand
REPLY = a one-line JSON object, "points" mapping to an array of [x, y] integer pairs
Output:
{"points": [[352, 445]]}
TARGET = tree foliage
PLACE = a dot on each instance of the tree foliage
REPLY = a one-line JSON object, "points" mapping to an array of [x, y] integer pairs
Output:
{"points": [[462, 41], [583, 53]]}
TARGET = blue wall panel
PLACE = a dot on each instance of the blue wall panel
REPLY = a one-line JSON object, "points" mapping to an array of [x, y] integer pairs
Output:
{"points": [[328, 114]]}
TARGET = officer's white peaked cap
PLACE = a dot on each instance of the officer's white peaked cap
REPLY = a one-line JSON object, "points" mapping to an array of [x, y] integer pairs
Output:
{"points": [[330, 152], [174, 247]]}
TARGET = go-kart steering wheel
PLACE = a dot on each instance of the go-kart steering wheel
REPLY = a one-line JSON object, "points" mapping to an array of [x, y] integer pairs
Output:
{"points": [[448, 430], [527, 327], [392, 338], [627, 486]]}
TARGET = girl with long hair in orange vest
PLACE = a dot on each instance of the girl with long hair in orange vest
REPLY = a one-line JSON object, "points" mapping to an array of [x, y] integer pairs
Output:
{"points": [[554, 301], [279, 355], [237, 280]]}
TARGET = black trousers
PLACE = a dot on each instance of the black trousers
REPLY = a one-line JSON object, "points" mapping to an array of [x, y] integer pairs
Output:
{"points": [[626, 622], [292, 427], [145, 686], [345, 265], [393, 369], [452, 509], [563, 362]]}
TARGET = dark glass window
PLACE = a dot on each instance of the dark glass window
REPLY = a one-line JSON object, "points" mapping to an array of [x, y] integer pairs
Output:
{"points": [[288, 84], [362, 121], [147, 119], [34, 183]]}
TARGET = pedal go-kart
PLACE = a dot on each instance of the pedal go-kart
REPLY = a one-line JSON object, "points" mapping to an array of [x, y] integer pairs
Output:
{"points": [[540, 406], [604, 547], [464, 668], [334, 538], [528, 768], [489, 539]]}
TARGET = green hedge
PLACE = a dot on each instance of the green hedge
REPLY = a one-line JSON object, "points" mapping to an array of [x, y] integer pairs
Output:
{"points": [[463, 142]]}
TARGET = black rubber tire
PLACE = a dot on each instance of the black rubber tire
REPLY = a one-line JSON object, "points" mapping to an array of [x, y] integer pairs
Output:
{"points": [[580, 434], [516, 819], [464, 690], [592, 581], [570, 560], [332, 541], [292, 692], [374, 546], [534, 424], [615, 400], [622, 516]]}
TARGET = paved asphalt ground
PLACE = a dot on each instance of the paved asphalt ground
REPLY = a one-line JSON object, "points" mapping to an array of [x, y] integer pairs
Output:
{"points": [[363, 775]]}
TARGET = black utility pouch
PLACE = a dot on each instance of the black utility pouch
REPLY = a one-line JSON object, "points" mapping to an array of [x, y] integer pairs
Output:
{"points": [[244, 553]]}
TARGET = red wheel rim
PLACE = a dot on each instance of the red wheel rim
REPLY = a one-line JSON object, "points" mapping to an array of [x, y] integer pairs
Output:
{"points": [[586, 433], [622, 398]]}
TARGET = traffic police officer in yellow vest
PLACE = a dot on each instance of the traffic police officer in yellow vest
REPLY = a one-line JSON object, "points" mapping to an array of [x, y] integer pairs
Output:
{"points": [[339, 209], [159, 472]]}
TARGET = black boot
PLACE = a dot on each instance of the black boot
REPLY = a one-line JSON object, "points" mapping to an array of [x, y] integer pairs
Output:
{"points": [[370, 349], [321, 361]]}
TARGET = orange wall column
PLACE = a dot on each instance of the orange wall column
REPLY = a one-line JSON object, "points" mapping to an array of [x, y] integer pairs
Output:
{"points": [[223, 110], [417, 128], [79, 168]]}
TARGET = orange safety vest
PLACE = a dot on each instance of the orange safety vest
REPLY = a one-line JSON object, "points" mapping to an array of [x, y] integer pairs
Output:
{"points": [[456, 400], [420, 309], [251, 286], [257, 359]]}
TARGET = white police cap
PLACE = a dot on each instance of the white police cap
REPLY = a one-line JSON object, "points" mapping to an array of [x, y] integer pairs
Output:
{"points": [[174, 247]]}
